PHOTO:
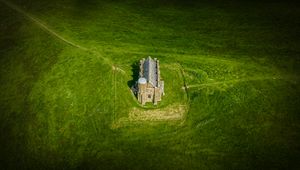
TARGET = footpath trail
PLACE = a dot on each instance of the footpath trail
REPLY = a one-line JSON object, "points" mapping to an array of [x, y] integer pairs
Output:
{"points": [[52, 32], [240, 80], [43, 26]]}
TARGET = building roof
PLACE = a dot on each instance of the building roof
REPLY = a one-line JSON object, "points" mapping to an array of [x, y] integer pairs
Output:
{"points": [[150, 71]]}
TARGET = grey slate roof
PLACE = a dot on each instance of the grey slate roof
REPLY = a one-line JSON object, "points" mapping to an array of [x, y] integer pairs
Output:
{"points": [[150, 71]]}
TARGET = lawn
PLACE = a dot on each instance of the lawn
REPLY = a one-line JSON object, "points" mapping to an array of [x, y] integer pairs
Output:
{"points": [[231, 72]]}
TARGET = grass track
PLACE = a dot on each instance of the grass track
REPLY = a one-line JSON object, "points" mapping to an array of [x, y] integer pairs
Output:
{"points": [[41, 25], [52, 32], [240, 80]]}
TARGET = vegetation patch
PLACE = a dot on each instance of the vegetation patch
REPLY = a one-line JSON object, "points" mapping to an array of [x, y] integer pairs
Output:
{"points": [[175, 112], [230, 69]]}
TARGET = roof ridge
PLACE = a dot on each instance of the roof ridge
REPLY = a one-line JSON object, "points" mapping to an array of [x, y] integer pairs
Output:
{"points": [[150, 72]]}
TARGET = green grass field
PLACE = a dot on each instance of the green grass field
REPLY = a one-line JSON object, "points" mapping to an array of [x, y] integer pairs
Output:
{"points": [[231, 72]]}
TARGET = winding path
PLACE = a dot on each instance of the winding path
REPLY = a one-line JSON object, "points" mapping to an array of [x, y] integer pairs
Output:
{"points": [[53, 33], [239, 80], [41, 25]]}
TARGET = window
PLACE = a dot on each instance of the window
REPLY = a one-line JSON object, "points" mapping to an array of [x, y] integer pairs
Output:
{"points": [[149, 96]]}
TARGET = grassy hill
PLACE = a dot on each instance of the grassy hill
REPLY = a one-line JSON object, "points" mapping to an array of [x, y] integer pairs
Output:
{"points": [[231, 72]]}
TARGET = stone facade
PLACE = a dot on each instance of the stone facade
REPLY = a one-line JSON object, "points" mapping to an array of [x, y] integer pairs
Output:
{"points": [[150, 88]]}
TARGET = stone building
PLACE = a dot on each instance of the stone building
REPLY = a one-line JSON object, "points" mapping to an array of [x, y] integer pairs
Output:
{"points": [[150, 88]]}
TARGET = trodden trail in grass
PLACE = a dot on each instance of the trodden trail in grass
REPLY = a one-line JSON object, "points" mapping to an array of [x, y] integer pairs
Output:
{"points": [[43, 26], [239, 80]]}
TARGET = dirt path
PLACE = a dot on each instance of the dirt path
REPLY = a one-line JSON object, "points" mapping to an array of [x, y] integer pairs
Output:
{"points": [[239, 80], [53, 33], [41, 25]]}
